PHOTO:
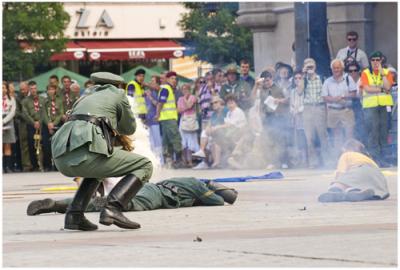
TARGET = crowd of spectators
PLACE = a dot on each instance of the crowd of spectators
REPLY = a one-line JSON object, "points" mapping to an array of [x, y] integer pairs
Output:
{"points": [[284, 118]]}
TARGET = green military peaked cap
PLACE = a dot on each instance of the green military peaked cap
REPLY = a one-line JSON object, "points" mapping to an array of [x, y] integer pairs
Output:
{"points": [[106, 77]]}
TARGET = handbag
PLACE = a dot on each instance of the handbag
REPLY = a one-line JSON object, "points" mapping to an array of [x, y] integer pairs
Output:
{"points": [[189, 122]]}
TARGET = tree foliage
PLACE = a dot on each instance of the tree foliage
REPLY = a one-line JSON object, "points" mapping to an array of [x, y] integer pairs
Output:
{"points": [[215, 34], [40, 26]]}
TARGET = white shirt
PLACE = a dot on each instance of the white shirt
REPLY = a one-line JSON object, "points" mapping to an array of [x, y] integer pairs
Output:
{"points": [[236, 118], [357, 53]]}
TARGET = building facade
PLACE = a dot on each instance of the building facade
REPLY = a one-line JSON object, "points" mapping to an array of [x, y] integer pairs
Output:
{"points": [[272, 24]]}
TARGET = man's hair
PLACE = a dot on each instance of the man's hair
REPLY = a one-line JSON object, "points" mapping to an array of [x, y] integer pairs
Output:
{"points": [[65, 77], [51, 86], [215, 71], [31, 83], [354, 146], [88, 82], [337, 60], [230, 97], [352, 34], [266, 74], [157, 78], [54, 77], [244, 61]]}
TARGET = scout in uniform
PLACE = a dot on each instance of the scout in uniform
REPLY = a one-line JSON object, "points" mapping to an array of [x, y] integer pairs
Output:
{"points": [[170, 193], [53, 112], [68, 97], [22, 128], [83, 147], [32, 113]]}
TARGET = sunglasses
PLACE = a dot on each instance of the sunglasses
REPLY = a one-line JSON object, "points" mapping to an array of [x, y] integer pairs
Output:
{"points": [[202, 81], [375, 59], [353, 70], [351, 39]]}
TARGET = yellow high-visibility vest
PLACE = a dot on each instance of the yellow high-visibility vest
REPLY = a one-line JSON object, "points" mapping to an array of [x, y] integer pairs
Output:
{"points": [[371, 100], [168, 111], [139, 97]]}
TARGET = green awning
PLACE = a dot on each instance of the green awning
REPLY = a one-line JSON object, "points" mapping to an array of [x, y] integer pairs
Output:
{"points": [[42, 80]]}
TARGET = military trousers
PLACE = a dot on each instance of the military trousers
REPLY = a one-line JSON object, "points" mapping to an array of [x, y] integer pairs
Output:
{"points": [[171, 138], [81, 162], [376, 126]]}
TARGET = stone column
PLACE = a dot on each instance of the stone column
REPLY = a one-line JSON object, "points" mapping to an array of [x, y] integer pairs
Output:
{"points": [[262, 21]]}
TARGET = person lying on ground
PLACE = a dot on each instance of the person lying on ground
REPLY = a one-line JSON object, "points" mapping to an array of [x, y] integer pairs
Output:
{"points": [[357, 177], [169, 193]]}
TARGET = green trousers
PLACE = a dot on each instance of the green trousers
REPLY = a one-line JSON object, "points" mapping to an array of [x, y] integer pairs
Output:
{"points": [[170, 193], [171, 138], [81, 162]]}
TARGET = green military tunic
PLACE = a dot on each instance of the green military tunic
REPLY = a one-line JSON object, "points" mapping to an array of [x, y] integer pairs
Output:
{"points": [[23, 133], [28, 110], [49, 116], [68, 100], [80, 149], [170, 193]]}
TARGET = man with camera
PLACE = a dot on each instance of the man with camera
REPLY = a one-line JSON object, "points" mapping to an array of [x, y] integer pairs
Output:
{"points": [[314, 114], [353, 51]]}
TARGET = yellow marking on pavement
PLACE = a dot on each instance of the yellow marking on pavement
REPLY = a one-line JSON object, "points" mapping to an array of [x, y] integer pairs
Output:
{"points": [[59, 188], [389, 173]]}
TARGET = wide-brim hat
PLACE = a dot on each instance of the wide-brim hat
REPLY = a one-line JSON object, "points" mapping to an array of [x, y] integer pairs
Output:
{"points": [[106, 78], [232, 69], [280, 65]]}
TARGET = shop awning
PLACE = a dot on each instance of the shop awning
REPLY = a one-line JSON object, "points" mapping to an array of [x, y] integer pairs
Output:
{"points": [[96, 50]]}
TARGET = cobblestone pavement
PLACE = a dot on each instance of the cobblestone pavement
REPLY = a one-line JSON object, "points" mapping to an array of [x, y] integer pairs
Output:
{"points": [[275, 223]]}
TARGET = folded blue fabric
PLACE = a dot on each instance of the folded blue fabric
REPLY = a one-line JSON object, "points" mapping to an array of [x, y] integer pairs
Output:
{"points": [[269, 176]]}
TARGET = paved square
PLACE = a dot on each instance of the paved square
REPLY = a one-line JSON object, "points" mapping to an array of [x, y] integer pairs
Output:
{"points": [[276, 223]]}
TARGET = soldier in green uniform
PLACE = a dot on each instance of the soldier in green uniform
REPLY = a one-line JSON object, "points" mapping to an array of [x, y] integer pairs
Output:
{"points": [[83, 147], [169, 193], [239, 88], [53, 112], [22, 128], [32, 113]]}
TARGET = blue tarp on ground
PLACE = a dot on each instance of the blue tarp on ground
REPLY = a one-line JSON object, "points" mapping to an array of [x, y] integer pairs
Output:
{"points": [[269, 176]]}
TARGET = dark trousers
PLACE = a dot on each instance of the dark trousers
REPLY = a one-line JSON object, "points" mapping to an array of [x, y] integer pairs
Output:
{"points": [[376, 126], [46, 146], [31, 147], [359, 128]]}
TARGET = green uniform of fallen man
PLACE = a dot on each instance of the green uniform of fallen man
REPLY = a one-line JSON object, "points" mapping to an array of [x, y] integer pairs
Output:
{"points": [[169, 193]]}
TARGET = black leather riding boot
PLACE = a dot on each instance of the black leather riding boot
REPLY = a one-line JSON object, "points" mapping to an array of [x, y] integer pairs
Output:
{"points": [[46, 206], [74, 218], [118, 200]]}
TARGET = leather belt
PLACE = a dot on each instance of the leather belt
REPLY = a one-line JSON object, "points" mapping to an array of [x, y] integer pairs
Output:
{"points": [[100, 121]]}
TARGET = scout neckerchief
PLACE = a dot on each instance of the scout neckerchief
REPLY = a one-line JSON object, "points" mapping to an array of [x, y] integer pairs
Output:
{"points": [[67, 99], [4, 103], [36, 103], [53, 106]]}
